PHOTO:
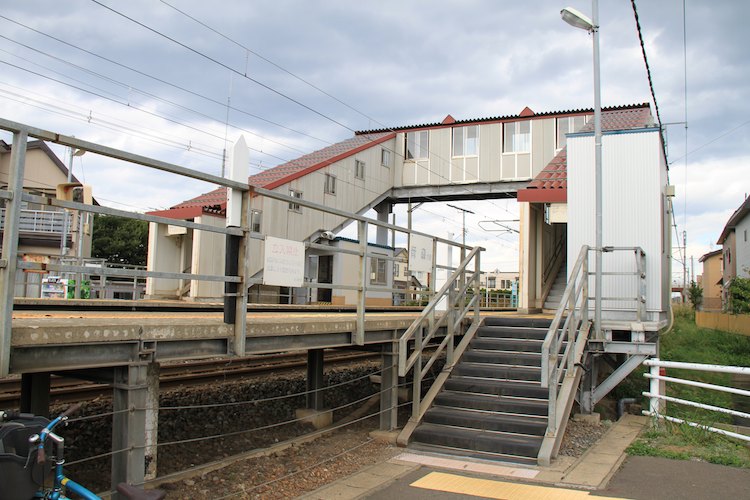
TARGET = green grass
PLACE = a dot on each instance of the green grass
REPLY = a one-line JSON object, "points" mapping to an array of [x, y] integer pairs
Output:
{"points": [[689, 343]]}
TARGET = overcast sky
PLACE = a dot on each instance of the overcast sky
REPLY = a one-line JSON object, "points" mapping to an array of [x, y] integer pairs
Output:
{"points": [[77, 68]]}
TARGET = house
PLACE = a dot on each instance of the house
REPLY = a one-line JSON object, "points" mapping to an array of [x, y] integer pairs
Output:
{"points": [[735, 247], [42, 226], [497, 280], [711, 280]]}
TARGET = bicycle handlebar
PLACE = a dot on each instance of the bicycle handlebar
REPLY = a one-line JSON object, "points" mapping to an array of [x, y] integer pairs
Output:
{"points": [[71, 410]]}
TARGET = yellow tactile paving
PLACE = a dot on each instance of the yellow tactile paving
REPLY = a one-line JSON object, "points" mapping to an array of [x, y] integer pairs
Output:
{"points": [[487, 488]]}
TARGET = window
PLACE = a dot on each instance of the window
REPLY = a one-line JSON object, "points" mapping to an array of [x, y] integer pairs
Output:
{"points": [[568, 125], [330, 184], [295, 206], [255, 218], [466, 141], [417, 145], [491, 282], [517, 137], [359, 169], [395, 269], [377, 271], [385, 157]]}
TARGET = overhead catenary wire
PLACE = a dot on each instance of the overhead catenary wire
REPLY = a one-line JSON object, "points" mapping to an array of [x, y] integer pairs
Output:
{"points": [[239, 73]]}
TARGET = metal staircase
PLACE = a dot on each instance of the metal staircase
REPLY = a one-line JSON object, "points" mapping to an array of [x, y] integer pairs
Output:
{"points": [[493, 405], [507, 388]]}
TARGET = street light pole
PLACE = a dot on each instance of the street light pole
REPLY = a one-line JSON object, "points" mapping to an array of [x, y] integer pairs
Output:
{"points": [[598, 170], [578, 20]]}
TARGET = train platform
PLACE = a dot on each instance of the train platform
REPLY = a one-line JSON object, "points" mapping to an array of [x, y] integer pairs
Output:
{"points": [[604, 471]]}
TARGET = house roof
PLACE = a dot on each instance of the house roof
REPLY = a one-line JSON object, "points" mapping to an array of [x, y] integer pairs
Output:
{"points": [[38, 144], [524, 114], [551, 183], [708, 255], [735, 219], [215, 201]]}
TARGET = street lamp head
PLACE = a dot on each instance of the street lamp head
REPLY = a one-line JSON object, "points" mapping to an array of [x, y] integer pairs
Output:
{"points": [[577, 19]]}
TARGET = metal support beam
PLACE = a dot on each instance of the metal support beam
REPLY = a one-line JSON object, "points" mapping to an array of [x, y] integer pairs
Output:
{"points": [[35, 393], [10, 246], [315, 379], [616, 377], [588, 384], [389, 387], [129, 398]]}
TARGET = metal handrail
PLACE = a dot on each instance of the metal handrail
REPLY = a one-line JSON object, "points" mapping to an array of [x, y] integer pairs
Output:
{"points": [[455, 293], [574, 308], [658, 400]]}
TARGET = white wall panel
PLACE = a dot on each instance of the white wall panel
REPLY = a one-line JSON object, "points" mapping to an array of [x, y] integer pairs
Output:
{"points": [[633, 185]]}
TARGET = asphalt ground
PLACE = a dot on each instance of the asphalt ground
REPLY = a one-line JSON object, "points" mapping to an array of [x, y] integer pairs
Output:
{"points": [[639, 478]]}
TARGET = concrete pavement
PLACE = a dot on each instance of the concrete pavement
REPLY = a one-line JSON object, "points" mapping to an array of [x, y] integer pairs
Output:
{"points": [[419, 476]]}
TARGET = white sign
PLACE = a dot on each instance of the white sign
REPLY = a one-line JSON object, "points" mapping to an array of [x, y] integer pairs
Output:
{"points": [[420, 253], [284, 262]]}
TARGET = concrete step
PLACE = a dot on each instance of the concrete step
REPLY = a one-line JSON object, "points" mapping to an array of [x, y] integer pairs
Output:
{"points": [[478, 440], [494, 387], [522, 322], [498, 404], [496, 371], [503, 357], [480, 420], [515, 332]]}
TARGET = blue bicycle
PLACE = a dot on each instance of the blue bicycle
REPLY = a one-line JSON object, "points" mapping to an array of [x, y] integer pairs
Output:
{"points": [[23, 475]]}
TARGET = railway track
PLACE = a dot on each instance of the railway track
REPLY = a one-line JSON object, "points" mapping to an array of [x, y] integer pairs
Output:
{"points": [[66, 389]]}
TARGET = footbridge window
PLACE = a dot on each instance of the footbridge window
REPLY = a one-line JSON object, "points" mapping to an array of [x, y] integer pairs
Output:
{"points": [[517, 137], [466, 141], [417, 145]]}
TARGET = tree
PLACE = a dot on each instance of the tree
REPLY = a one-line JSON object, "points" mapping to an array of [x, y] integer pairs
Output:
{"points": [[120, 240], [695, 295], [739, 295]]}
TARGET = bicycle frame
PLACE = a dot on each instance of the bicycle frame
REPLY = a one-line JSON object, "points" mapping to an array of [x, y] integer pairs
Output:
{"points": [[61, 482]]}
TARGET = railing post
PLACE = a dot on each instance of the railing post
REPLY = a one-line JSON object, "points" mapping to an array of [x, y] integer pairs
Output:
{"points": [[585, 290], [654, 402], [433, 282], [10, 246], [359, 334], [453, 298], [477, 286], [416, 398]]}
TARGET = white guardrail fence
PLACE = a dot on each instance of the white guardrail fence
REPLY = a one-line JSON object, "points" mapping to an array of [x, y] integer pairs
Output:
{"points": [[657, 400]]}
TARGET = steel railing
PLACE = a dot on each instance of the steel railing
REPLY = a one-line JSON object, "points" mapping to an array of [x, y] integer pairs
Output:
{"points": [[458, 302], [658, 400], [40, 221], [236, 301]]}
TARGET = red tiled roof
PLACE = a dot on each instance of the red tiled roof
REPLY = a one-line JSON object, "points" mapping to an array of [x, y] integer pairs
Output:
{"points": [[551, 184], [215, 201]]}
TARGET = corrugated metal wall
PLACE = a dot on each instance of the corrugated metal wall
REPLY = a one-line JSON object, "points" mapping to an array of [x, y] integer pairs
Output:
{"points": [[632, 211]]}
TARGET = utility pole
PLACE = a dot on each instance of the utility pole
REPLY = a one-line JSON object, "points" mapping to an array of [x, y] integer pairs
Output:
{"points": [[463, 241], [684, 267]]}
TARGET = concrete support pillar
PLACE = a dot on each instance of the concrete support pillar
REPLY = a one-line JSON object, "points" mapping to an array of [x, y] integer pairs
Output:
{"points": [[35, 393], [152, 418], [315, 379], [527, 259], [129, 402], [383, 210], [389, 387]]}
